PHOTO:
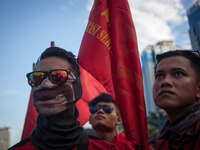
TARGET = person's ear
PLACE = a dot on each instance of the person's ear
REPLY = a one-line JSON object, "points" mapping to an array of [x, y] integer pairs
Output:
{"points": [[119, 119], [90, 120], [198, 91]]}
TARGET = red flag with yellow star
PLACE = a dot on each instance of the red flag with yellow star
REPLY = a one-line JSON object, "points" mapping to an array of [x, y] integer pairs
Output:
{"points": [[109, 52]]}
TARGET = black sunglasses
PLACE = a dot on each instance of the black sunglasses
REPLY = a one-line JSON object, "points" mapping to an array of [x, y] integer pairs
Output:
{"points": [[194, 51], [58, 76], [106, 108]]}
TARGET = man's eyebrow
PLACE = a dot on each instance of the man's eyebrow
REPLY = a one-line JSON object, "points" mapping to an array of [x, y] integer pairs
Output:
{"points": [[178, 69], [173, 69], [159, 71]]}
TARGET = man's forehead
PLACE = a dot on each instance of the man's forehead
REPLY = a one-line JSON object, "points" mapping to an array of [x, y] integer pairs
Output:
{"points": [[178, 61], [105, 103], [53, 62]]}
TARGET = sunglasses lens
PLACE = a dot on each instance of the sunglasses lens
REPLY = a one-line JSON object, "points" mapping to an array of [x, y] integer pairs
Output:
{"points": [[35, 78], [58, 76], [94, 109], [107, 109]]}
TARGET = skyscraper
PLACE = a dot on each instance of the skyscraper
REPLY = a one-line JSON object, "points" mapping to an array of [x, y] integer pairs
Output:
{"points": [[194, 21], [148, 63]]}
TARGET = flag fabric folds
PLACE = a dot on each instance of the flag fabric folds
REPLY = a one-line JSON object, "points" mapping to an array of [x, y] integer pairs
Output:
{"points": [[109, 52]]}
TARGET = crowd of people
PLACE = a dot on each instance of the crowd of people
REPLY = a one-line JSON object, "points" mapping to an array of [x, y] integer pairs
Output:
{"points": [[56, 87]]}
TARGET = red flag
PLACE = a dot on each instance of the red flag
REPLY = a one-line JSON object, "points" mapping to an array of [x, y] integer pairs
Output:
{"points": [[30, 121], [109, 52]]}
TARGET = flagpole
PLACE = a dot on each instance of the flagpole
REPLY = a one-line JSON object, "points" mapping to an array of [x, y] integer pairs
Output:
{"points": [[117, 130], [33, 66], [52, 44]]}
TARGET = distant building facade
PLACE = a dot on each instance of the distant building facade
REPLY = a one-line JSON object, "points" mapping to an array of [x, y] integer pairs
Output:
{"points": [[148, 60], [5, 138], [194, 22]]}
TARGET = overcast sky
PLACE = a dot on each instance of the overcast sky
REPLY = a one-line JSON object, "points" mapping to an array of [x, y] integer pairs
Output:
{"points": [[27, 28]]}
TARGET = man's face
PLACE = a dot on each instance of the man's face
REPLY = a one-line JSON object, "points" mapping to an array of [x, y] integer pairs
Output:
{"points": [[103, 121], [175, 88], [51, 99]]}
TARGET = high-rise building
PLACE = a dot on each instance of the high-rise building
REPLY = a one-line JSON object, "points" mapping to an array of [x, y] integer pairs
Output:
{"points": [[194, 21], [148, 59], [5, 138]]}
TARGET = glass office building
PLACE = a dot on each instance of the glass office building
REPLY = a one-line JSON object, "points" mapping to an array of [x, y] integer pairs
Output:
{"points": [[194, 22]]}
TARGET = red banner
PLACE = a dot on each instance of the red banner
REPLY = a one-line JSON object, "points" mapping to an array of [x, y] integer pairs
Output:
{"points": [[109, 52], [30, 120]]}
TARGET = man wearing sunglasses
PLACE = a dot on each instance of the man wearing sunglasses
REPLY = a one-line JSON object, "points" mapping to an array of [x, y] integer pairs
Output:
{"points": [[176, 89], [105, 116], [56, 87]]}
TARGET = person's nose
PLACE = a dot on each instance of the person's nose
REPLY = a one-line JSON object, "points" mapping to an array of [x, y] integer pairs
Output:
{"points": [[167, 81], [47, 83], [100, 111]]}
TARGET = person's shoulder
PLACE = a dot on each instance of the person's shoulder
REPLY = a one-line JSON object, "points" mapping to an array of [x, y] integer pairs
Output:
{"points": [[193, 144], [122, 143], [24, 144], [96, 143], [121, 136], [162, 144]]}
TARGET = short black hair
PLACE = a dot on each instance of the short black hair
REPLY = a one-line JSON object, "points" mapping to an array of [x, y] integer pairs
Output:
{"points": [[193, 58], [62, 53], [103, 97]]}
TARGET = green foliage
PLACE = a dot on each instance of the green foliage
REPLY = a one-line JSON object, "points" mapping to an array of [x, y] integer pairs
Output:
{"points": [[152, 130]]}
